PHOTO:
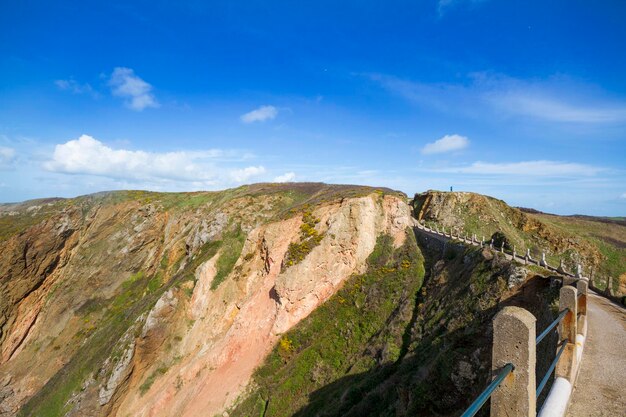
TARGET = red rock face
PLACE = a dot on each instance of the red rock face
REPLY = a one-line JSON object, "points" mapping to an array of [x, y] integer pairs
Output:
{"points": [[67, 280], [237, 325]]}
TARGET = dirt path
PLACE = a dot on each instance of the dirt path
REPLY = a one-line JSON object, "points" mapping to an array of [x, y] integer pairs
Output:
{"points": [[600, 390]]}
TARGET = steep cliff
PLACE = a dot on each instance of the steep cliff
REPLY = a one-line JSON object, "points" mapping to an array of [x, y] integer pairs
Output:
{"points": [[136, 303], [274, 300], [410, 336]]}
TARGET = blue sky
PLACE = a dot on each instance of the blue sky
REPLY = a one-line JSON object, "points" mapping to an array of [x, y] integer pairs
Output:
{"points": [[524, 101]]}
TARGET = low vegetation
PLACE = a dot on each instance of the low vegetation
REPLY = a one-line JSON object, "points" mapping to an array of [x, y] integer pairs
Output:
{"points": [[607, 235], [309, 239], [394, 341], [119, 315], [231, 245], [368, 314], [114, 317]]}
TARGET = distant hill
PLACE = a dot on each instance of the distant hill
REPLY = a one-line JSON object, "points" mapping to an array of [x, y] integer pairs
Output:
{"points": [[598, 243]]}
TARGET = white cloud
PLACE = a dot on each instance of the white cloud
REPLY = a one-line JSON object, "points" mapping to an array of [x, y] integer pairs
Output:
{"points": [[88, 156], [138, 93], [261, 114], [623, 196], [7, 157], [242, 175], [286, 177], [539, 168], [448, 143]]}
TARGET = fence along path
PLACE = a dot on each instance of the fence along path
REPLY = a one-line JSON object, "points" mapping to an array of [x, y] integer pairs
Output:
{"points": [[510, 255], [599, 391]]}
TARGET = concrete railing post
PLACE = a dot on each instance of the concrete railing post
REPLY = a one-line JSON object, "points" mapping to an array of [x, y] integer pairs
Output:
{"points": [[566, 366], [609, 285], [527, 257], [514, 342], [582, 287]]}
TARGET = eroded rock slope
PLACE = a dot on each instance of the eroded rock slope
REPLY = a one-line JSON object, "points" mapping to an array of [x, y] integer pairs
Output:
{"points": [[135, 303]]}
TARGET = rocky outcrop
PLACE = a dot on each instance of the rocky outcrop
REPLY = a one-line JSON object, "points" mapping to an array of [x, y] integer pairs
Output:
{"points": [[237, 325], [468, 213], [159, 313], [517, 275], [121, 371], [110, 305], [351, 233], [28, 262], [8, 403]]}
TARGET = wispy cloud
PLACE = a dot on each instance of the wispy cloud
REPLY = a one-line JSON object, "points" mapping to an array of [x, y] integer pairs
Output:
{"points": [[556, 99], [89, 156], [540, 168], [448, 143], [553, 100], [138, 93], [75, 87], [261, 114], [444, 5], [286, 177], [549, 108], [7, 157]]}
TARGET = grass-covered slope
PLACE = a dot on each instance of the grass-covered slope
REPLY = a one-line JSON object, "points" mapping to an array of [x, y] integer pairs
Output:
{"points": [[361, 327], [607, 235], [598, 244], [399, 340]]}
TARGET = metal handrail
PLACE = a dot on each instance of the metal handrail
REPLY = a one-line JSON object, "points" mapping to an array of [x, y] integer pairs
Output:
{"points": [[482, 398], [551, 326], [544, 381]]}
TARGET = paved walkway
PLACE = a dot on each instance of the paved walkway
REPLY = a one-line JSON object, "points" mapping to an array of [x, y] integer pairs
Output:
{"points": [[600, 390]]}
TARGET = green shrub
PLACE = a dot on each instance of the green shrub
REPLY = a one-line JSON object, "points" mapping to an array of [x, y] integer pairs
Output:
{"points": [[232, 244], [161, 370], [309, 239]]}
